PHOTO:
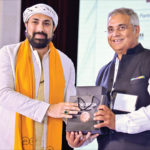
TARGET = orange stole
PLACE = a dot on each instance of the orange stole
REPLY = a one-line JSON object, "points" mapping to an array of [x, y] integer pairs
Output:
{"points": [[25, 84]]}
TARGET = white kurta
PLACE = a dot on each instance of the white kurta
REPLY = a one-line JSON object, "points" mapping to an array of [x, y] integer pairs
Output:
{"points": [[12, 101]]}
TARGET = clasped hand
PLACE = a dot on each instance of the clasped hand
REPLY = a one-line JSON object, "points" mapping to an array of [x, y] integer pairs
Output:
{"points": [[107, 118], [76, 139], [62, 110]]}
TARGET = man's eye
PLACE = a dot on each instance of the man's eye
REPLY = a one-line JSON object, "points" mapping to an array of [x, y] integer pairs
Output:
{"points": [[110, 30], [46, 23], [122, 28], [35, 22]]}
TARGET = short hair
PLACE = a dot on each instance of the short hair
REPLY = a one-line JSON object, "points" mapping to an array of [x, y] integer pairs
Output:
{"points": [[134, 19]]}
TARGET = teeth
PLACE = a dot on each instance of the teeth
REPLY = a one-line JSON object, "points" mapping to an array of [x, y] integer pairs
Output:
{"points": [[116, 40]]}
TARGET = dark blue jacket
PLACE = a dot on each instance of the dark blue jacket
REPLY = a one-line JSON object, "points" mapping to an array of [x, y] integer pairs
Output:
{"points": [[135, 63]]}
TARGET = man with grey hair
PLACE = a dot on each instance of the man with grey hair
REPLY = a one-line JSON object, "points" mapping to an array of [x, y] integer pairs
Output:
{"points": [[127, 74], [36, 82]]}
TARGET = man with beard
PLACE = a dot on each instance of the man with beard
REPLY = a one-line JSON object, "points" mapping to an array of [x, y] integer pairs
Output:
{"points": [[36, 82]]}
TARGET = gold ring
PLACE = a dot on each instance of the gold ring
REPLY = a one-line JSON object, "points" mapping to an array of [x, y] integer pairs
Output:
{"points": [[66, 112]]}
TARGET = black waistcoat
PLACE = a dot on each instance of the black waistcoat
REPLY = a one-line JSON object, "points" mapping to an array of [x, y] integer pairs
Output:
{"points": [[134, 64]]}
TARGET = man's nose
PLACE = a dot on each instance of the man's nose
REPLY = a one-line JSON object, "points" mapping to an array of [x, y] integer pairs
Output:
{"points": [[116, 32], [40, 27]]}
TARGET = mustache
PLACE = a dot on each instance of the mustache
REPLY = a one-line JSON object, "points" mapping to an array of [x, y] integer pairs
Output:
{"points": [[41, 33]]}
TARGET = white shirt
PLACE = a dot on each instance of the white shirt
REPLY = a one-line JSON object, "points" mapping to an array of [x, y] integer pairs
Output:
{"points": [[12, 101], [134, 122]]}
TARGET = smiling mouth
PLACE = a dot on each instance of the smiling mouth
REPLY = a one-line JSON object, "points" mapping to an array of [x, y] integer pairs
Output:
{"points": [[117, 40]]}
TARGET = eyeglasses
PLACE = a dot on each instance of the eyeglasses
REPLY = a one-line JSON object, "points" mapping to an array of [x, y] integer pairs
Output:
{"points": [[121, 27]]}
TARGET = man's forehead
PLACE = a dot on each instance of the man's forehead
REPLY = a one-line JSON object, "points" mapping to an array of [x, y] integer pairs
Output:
{"points": [[40, 17], [118, 19], [117, 25]]}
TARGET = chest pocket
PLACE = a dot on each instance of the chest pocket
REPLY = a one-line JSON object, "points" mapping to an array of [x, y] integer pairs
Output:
{"points": [[138, 85]]}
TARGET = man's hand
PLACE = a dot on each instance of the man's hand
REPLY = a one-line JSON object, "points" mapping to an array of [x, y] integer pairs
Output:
{"points": [[62, 110], [105, 115], [76, 139]]}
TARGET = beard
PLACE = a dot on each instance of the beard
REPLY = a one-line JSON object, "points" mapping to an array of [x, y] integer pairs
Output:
{"points": [[39, 43]]}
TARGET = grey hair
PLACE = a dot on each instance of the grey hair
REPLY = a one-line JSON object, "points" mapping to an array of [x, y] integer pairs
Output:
{"points": [[134, 19]]}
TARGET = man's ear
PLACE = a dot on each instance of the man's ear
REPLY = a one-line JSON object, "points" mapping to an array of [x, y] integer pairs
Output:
{"points": [[54, 28], [26, 24], [137, 30]]}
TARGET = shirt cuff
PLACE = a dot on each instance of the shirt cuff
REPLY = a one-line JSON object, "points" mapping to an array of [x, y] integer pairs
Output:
{"points": [[41, 112], [121, 123]]}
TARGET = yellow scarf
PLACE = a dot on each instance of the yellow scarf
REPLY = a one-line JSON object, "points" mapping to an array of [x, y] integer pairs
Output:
{"points": [[25, 84]]}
